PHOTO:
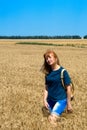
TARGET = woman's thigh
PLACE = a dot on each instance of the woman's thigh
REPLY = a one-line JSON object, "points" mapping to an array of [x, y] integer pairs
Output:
{"points": [[59, 107]]}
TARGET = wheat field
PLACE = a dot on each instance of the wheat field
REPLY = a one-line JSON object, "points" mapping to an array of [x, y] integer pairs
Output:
{"points": [[22, 85]]}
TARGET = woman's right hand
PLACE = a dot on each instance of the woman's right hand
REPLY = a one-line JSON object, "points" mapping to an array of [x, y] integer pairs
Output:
{"points": [[46, 104], [45, 98]]}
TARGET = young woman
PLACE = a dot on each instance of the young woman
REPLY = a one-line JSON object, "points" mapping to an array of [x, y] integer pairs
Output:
{"points": [[56, 98]]}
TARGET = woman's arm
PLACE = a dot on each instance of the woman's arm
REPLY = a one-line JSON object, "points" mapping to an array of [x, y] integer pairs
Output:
{"points": [[45, 97], [69, 106]]}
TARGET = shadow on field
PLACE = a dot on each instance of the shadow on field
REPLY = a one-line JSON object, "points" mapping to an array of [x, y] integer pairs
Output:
{"points": [[45, 112]]}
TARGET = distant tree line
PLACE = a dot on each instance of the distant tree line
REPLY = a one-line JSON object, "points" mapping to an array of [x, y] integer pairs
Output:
{"points": [[43, 37], [85, 37]]}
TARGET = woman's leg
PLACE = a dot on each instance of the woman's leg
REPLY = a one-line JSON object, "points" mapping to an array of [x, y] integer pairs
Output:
{"points": [[53, 118], [57, 110]]}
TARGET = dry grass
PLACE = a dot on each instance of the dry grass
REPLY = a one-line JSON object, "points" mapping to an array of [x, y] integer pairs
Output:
{"points": [[55, 41], [22, 84]]}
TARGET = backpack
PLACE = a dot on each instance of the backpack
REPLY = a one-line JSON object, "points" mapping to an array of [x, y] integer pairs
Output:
{"points": [[72, 85]]}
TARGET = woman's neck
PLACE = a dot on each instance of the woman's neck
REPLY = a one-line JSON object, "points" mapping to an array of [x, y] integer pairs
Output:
{"points": [[55, 67]]}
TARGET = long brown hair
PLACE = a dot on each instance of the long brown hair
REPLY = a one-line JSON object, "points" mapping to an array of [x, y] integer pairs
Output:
{"points": [[47, 68]]}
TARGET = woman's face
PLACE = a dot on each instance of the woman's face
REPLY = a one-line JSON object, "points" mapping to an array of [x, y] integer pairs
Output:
{"points": [[50, 59]]}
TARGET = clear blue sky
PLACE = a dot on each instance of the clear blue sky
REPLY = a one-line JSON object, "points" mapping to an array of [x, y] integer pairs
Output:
{"points": [[43, 17]]}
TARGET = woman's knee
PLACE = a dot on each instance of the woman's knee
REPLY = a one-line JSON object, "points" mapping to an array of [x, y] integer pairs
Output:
{"points": [[53, 117]]}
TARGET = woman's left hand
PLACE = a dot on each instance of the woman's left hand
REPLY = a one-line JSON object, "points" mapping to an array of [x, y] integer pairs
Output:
{"points": [[69, 108]]}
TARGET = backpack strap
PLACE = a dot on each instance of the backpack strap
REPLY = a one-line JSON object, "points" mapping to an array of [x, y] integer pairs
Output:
{"points": [[72, 85], [62, 77]]}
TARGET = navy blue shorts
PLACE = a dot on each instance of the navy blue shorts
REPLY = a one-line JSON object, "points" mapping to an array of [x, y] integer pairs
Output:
{"points": [[57, 107]]}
